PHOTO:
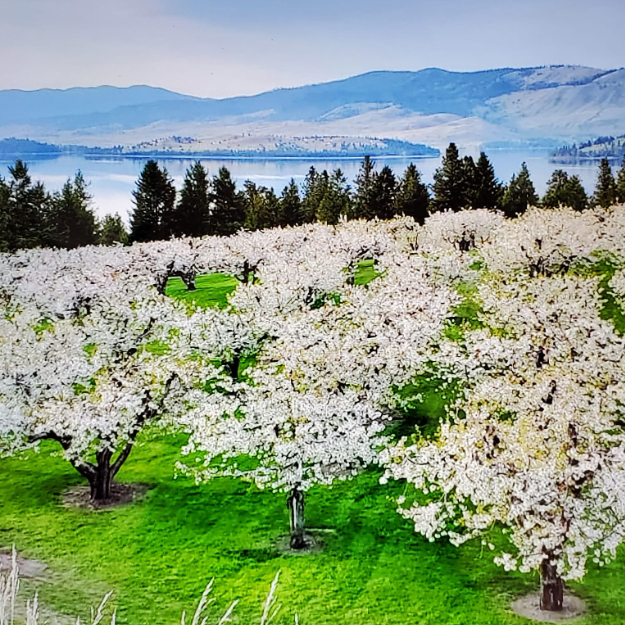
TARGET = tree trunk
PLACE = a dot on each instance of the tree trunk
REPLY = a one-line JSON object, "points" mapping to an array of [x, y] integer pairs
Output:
{"points": [[295, 503], [189, 281], [551, 587], [102, 476]]}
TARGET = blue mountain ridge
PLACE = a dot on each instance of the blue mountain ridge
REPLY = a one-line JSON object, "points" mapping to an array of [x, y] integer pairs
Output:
{"points": [[428, 91]]}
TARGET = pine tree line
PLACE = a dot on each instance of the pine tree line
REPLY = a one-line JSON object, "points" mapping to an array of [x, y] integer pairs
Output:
{"points": [[216, 207], [32, 217]]}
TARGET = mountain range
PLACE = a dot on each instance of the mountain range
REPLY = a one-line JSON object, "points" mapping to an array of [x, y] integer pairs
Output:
{"points": [[541, 105]]}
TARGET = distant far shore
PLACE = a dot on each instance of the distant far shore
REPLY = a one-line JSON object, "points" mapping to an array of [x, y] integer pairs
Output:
{"points": [[386, 148]]}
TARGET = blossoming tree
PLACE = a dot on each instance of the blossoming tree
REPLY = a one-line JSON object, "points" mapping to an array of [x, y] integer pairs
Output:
{"points": [[319, 395], [535, 443]]}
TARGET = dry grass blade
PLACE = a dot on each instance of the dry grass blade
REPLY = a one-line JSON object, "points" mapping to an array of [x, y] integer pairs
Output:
{"points": [[226, 617], [97, 619], [9, 585], [32, 611], [266, 618], [203, 602]]}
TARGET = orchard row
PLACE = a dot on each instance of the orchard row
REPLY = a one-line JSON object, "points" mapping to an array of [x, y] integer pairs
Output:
{"points": [[306, 376]]}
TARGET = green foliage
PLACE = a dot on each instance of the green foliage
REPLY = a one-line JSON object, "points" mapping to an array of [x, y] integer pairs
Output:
{"points": [[422, 406], [363, 196], [24, 211], [413, 197], [336, 199], [84, 389], [262, 207], [90, 349], [43, 325], [211, 290], [485, 191], [326, 298], [112, 231], [384, 192], [290, 205], [228, 214], [506, 416], [565, 190], [191, 216], [380, 195], [605, 267], [158, 348], [313, 190], [72, 221], [519, 194], [326, 197], [451, 186], [620, 184], [605, 189], [465, 317], [154, 200]]}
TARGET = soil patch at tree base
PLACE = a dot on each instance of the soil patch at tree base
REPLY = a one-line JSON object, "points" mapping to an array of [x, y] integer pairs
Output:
{"points": [[529, 607], [32, 569], [121, 494], [313, 544]]}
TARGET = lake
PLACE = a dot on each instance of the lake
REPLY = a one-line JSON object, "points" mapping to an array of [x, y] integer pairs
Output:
{"points": [[112, 180]]}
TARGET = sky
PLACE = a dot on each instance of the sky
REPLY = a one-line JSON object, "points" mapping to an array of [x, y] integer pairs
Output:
{"points": [[221, 48]]}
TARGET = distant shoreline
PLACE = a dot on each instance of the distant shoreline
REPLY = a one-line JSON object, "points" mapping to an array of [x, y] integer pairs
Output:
{"points": [[583, 160], [208, 156]]}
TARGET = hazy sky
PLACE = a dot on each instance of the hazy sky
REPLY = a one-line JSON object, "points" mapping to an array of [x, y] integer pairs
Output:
{"points": [[219, 48]]}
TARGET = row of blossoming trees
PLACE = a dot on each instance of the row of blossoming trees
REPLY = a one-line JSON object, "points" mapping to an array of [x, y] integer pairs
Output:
{"points": [[305, 370]]}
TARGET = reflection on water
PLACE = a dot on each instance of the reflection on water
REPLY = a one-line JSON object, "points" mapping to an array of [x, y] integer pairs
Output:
{"points": [[113, 180]]}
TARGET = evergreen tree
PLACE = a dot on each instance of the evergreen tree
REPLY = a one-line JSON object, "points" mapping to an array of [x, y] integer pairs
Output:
{"points": [[605, 189], [578, 199], [519, 194], [450, 182], [315, 187], [290, 205], [25, 210], [228, 215], [413, 197], [383, 193], [4, 215], [154, 200], [469, 171], [262, 207], [563, 190], [486, 191], [192, 213], [273, 208], [620, 184], [73, 222], [253, 206], [336, 200], [112, 230], [363, 196]]}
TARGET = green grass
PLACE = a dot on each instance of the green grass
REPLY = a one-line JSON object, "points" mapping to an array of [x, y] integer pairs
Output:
{"points": [[210, 290], [604, 267], [365, 272], [157, 554]]}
